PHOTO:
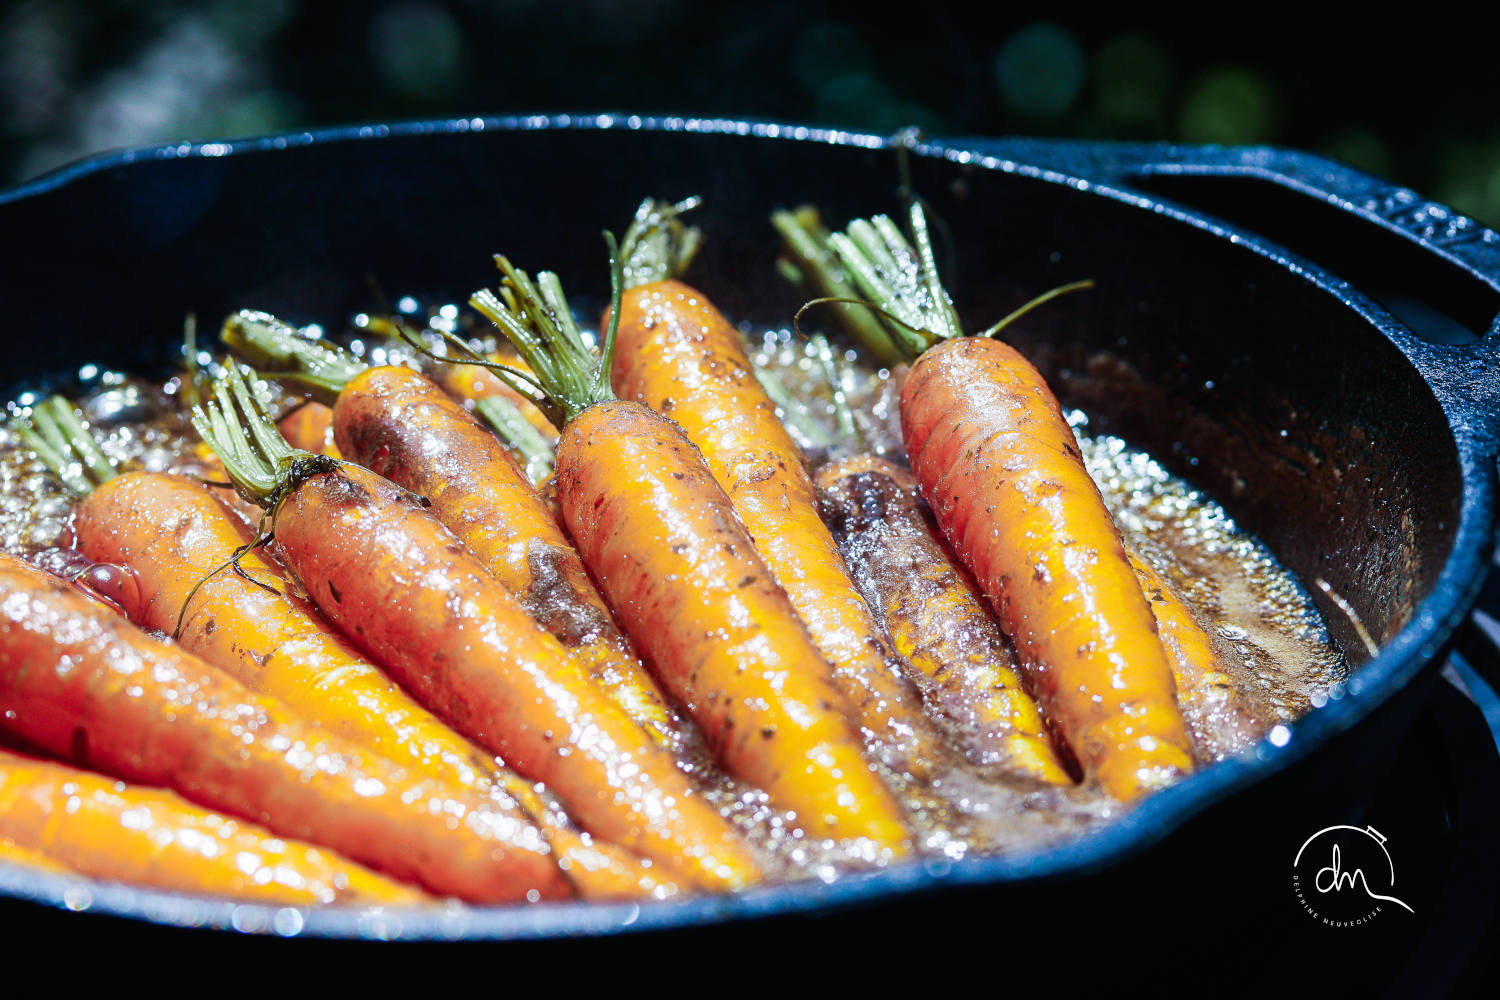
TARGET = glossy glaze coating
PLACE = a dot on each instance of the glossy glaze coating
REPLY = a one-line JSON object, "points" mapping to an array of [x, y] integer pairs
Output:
{"points": [[90, 687], [405, 428], [662, 539], [412, 595], [678, 355], [933, 614], [1001, 470], [107, 829]]}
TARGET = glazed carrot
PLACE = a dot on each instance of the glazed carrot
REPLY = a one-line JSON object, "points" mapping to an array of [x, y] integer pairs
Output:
{"points": [[400, 426], [661, 537], [1212, 704], [1001, 470], [170, 536], [12, 853], [678, 355], [397, 423], [85, 685], [935, 617], [322, 369], [409, 593], [310, 428], [106, 829], [479, 390]]}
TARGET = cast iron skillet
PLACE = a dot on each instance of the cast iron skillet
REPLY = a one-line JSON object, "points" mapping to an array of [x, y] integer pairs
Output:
{"points": [[1280, 372]]}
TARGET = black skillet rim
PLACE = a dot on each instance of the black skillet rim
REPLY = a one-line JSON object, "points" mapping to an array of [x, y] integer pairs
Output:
{"points": [[1397, 663]]}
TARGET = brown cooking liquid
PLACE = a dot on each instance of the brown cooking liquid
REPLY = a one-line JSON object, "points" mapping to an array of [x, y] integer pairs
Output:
{"points": [[1270, 639]]}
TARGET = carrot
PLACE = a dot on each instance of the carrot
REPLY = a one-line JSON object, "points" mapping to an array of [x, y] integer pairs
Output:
{"points": [[322, 369], [397, 423], [171, 534], [85, 685], [410, 594], [400, 426], [12, 853], [661, 537], [934, 615], [310, 428], [1001, 470], [1212, 704], [485, 393], [103, 828], [678, 355]]}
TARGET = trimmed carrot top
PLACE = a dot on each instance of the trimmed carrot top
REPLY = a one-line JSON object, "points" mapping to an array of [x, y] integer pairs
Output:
{"points": [[896, 276], [657, 246], [536, 318]]}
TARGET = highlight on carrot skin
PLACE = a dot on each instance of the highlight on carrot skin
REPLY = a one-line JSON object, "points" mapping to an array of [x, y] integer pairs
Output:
{"points": [[687, 594]]}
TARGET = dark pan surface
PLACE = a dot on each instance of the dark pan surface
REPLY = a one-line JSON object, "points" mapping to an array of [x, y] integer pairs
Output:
{"points": [[1361, 454]]}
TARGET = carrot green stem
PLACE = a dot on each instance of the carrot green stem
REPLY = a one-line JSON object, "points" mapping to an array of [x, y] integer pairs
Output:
{"points": [[657, 245], [274, 347], [535, 317], [238, 426], [1042, 299], [812, 258], [62, 441], [792, 409], [192, 370], [519, 435], [897, 277]]}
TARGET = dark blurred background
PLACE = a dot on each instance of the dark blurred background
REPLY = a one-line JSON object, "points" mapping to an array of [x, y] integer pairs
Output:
{"points": [[1405, 99]]}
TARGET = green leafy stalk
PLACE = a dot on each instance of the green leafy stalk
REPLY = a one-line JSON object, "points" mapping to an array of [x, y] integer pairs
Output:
{"points": [[897, 277], [535, 317], [517, 433], [238, 426], [274, 347], [657, 245], [62, 441], [813, 260], [192, 371], [1042, 299]]}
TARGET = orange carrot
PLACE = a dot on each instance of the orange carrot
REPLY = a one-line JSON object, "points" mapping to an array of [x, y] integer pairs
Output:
{"points": [[310, 428], [1002, 472], [12, 853], [399, 425], [396, 422], [408, 592], [935, 617], [661, 537], [678, 355], [83, 684], [322, 369], [103, 828], [1216, 712]]}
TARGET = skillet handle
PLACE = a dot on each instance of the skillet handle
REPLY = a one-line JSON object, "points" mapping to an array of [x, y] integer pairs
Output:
{"points": [[1396, 221]]}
